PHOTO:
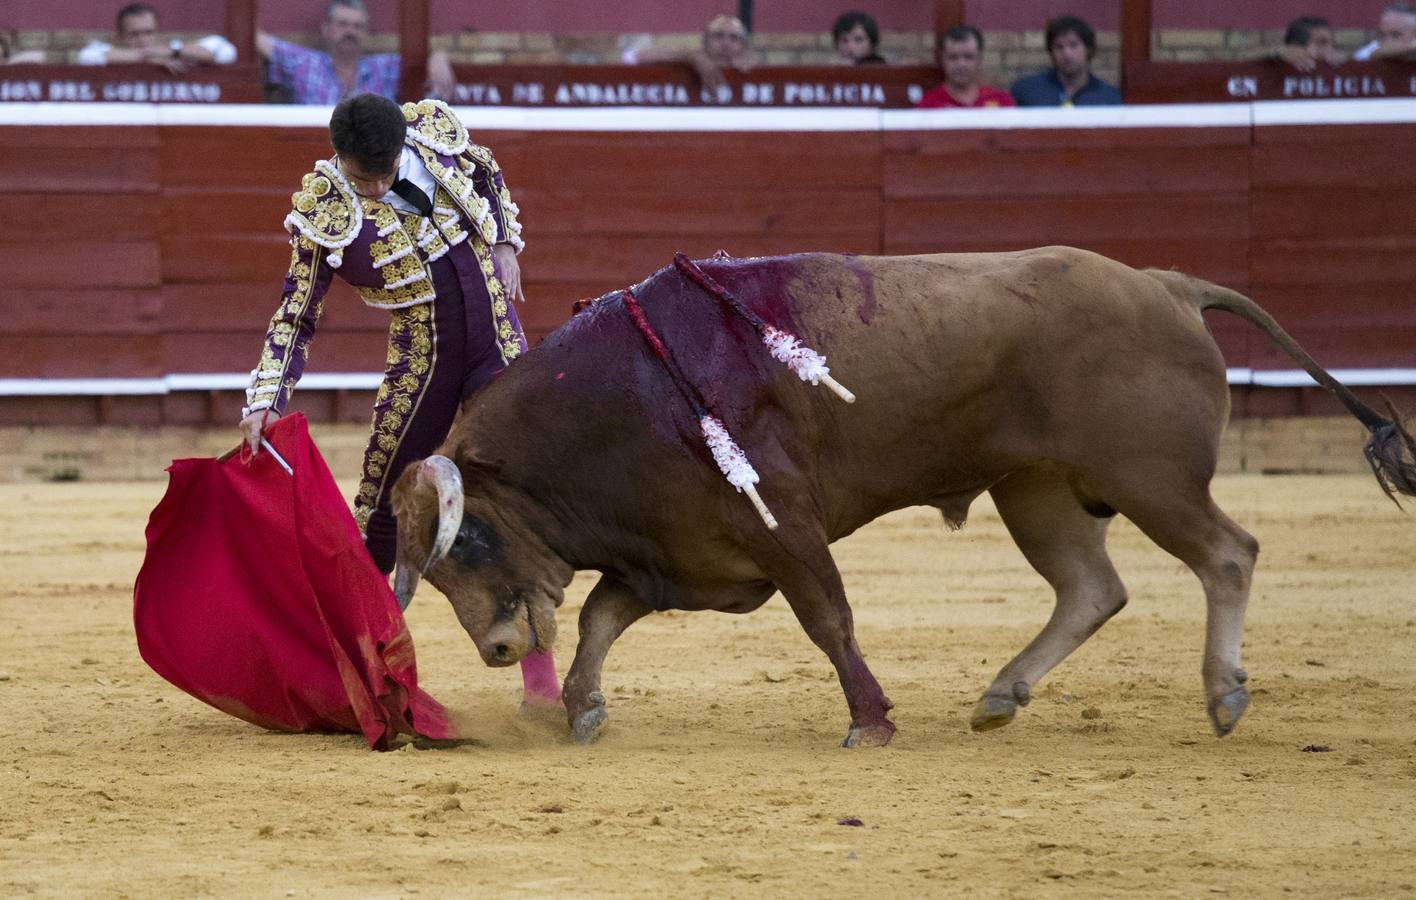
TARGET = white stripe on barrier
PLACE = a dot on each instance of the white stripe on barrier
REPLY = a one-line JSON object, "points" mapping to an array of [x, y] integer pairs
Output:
{"points": [[1379, 111], [1298, 378], [1349, 377], [518, 118], [216, 381], [140, 114], [665, 119], [715, 119], [324, 381], [1168, 115], [248, 114], [76, 387], [367, 381]]}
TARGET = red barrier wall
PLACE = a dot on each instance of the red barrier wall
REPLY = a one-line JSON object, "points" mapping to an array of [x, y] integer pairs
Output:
{"points": [[146, 251]]}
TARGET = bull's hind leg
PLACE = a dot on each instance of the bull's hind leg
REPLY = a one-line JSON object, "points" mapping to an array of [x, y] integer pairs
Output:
{"points": [[1180, 516], [1067, 546]]}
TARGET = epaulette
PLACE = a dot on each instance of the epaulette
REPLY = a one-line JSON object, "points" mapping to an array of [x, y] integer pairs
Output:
{"points": [[433, 124], [326, 210]]}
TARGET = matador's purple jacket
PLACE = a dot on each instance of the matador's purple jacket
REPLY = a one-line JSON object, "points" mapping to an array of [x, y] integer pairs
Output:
{"points": [[391, 259], [385, 255]]}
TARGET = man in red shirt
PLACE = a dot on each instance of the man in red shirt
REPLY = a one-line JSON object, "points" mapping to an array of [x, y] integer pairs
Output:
{"points": [[963, 55]]}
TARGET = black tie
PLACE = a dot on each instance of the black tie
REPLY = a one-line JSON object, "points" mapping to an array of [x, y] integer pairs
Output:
{"points": [[414, 195]]}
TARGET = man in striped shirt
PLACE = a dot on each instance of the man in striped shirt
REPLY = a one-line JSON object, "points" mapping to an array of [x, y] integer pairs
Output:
{"points": [[342, 69]]}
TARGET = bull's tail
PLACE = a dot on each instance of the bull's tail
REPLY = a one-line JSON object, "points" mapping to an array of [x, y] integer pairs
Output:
{"points": [[1390, 451]]}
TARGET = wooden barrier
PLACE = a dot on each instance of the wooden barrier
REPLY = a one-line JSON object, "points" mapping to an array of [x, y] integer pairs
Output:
{"points": [[550, 86], [236, 83], [146, 249]]}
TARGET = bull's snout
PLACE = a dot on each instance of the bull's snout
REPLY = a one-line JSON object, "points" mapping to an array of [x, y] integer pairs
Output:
{"points": [[504, 644]]}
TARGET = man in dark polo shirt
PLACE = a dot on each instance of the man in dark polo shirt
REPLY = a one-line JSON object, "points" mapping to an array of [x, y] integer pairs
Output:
{"points": [[1071, 43]]}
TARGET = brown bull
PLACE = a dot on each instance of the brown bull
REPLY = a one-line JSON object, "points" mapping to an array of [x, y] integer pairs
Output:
{"points": [[1068, 386]]}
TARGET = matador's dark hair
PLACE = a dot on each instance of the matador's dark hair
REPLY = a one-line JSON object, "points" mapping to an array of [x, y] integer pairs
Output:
{"points": [[368, 130]]}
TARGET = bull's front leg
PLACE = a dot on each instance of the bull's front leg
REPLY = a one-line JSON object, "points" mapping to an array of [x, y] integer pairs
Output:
{"points": [[609, 609], [812, 586]]}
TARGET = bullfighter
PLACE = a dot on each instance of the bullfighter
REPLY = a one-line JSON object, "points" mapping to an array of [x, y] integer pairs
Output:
{"points": [[418, 219]]}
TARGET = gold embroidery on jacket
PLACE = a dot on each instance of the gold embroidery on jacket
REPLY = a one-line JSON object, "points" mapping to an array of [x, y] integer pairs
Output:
{"points": [[397, 298], [509, 338], [386, 250], [433, 124], [412, 356], [326, 209], [384, 216], [270, 379], [407, 270]]}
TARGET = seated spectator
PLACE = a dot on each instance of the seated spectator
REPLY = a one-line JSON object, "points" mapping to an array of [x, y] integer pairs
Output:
{"points": [[1071, 44], [1307, 42], [138, 41], [342, 69], [10, 56], [1397, 35], [726, 45], [857, 39], [963, 56]]}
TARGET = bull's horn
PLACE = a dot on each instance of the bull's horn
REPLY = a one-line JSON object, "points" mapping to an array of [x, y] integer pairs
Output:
{"points": [[441, 473], [405, 582]]}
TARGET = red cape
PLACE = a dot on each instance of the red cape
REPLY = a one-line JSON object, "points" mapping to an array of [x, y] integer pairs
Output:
{"points": [[258, 597]]}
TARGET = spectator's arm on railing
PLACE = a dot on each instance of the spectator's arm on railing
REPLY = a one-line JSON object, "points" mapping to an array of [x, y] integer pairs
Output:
{"points": [[1296, 56]]}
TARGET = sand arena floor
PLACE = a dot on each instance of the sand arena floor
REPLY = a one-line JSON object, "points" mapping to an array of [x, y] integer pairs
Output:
{"points": [[719, 774]]}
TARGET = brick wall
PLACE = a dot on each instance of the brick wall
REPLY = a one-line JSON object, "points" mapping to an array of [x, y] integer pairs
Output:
{"points": [[1007, 55]]}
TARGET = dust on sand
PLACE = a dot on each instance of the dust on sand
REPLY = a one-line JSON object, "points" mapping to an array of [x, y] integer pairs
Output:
{"points": [[718, 773]]}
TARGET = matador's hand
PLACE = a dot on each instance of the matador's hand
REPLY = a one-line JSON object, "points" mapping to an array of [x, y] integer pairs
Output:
{"points": [[509, 270], [254, 424]]}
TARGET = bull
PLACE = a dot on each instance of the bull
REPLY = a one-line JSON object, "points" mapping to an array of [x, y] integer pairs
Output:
{"points": [[1068, 386]]}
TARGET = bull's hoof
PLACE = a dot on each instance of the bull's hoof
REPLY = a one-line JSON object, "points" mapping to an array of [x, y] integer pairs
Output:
{"points": [[993, 712], [877, 734], [1225, 711], [586, 726]]}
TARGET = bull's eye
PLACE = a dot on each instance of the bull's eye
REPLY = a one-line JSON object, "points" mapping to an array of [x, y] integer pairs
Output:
{"points": [[476, 543]]}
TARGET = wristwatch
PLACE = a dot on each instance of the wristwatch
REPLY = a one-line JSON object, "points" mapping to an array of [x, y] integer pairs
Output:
{"points": [[176, 47]]}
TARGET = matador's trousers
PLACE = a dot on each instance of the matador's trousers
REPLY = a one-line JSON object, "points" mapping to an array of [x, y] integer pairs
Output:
{"points": [[439, 353]]}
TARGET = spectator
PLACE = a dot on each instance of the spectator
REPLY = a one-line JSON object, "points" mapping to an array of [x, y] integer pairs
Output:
{"points": [[138, 41], [1071, 44], [857, 39], [963, 55], [726, 45], [1396, 35], [342, 69], [10, 56], [1307, 42]]}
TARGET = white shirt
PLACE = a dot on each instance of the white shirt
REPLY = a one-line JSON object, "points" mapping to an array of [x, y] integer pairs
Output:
{"points": [[223, 52], [1365, 51], [412, 168]]}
